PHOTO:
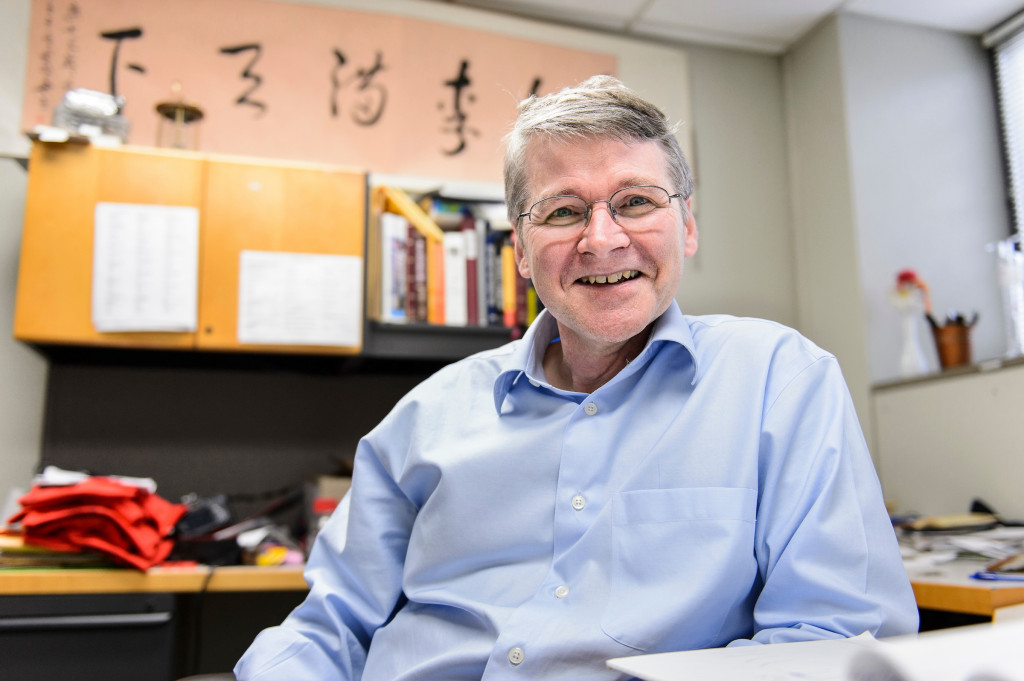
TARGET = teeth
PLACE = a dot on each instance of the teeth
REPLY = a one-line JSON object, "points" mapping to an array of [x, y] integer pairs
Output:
{"points": [[609, 278]]}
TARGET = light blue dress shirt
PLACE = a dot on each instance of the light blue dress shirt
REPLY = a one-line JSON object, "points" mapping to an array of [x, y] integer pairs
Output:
{"points": [[717, 491]]}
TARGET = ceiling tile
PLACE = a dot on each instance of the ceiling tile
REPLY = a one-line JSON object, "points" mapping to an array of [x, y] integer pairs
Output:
{"points": [[976, 16]]}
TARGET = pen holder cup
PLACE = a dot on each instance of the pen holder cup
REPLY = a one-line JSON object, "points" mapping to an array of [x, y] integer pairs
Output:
{"points": [[953, 343]]}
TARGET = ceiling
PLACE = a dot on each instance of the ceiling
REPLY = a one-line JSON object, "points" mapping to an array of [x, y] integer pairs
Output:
{"points": [[770, 26]]}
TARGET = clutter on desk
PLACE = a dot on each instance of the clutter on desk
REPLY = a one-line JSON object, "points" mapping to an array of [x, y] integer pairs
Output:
{"points": [[120, 518], [981, 535], [210, 533]]}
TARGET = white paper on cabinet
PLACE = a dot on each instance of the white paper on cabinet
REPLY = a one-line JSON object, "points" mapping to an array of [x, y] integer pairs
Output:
{"points": [[145, 267], [300, 299]]}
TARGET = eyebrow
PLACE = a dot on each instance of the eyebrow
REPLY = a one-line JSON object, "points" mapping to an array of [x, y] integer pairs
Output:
{"points": [[633, 181]]}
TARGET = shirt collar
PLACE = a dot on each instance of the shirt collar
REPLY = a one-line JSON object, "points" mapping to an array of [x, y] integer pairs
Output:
{"points": [[528, 357]]}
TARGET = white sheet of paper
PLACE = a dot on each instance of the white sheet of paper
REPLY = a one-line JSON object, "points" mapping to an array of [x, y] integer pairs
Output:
{"points": [[825, 660], [300, 299], [145, 267]]}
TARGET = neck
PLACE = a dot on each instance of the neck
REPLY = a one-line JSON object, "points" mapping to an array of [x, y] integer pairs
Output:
{"points": [[573, 364]]}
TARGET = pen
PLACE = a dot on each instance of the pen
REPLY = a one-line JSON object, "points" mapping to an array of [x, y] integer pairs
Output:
{"points": [[999, 576]]}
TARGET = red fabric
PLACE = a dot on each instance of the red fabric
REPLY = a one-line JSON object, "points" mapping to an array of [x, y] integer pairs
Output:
{"points": [[127, 523]]}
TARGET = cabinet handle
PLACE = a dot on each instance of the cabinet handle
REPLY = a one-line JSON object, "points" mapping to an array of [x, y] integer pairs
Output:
{"points": [[86, 621]]}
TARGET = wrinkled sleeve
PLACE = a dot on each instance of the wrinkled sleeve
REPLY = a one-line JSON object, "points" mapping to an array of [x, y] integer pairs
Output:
{"points": [[354, 573], [826, 551]]}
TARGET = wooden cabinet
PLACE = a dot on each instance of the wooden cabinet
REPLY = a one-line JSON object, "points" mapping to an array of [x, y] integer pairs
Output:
{"points": [[243, 205]]}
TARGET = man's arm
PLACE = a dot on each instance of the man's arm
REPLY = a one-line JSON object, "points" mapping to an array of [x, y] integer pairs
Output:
{"points": [[354, 573], [825, 547]]}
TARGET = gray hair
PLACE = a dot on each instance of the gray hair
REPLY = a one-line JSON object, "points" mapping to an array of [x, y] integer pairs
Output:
{"points": [[600, 106]]}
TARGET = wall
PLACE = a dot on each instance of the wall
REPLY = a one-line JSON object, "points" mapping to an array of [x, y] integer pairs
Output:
{"points": [[745, 263], [829, 295], [23, 371], [928, 186]]}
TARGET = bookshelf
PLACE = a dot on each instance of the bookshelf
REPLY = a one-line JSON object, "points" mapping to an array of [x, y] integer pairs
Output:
{"points": [[431, 341], [441, 279]]}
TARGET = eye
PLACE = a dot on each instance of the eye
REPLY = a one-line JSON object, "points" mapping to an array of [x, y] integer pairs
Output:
{"points": [[558, 211], [635, 200], [563, 212]]}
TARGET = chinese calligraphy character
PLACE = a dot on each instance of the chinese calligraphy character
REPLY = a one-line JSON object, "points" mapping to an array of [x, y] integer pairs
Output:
{"points": [[248, 74], [119, 37], [46, 59], [458, 117], [535, 88], [370, 106], [71, 49]]}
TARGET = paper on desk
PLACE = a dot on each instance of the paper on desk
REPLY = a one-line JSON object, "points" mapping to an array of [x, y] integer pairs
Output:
{"points": [[981, 652], [825, 660], [300, 299], [145, 267], [984, 652]]}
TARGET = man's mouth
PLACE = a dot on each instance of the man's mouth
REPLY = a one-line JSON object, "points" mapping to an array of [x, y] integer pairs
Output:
{"points": [[609, 278]]}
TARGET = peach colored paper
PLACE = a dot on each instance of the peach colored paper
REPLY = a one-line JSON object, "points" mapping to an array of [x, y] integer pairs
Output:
{"points": [[374, 91]]}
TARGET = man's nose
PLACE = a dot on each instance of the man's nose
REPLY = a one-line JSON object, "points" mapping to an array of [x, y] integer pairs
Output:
{"points": [[602, 234]]}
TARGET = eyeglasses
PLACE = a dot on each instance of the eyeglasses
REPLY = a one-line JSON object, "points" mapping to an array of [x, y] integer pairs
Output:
{"points": [[629, 206]]}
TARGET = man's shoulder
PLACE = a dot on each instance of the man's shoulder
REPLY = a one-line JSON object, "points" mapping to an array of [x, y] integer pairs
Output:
{"points": [[719, 333], [481, 367]]}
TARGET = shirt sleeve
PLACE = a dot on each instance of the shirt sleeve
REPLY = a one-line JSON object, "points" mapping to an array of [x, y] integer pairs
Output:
{"points": [[354, 573], [826, 550]]}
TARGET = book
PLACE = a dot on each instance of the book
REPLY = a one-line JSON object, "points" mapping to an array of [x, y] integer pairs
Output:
{"points": [[981, 652], [508, 284], [472, 243], [394, 233], [455, 280], [416, 276], [435, 281]]}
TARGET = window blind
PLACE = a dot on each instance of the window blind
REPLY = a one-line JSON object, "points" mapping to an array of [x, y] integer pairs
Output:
{"points": [[1008, 56]]}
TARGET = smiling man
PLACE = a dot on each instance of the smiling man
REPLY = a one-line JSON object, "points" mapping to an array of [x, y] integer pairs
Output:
{"points": [[624, 479]]}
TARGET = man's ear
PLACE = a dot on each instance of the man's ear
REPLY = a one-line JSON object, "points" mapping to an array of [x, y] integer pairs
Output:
{"points": [[522, 264], [689, 230]]}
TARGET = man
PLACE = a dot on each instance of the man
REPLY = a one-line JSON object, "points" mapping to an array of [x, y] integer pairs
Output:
{"points": [[623, 480]]}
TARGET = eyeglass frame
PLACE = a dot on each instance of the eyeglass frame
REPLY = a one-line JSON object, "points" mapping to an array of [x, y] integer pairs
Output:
{"points": [[587, 206]]}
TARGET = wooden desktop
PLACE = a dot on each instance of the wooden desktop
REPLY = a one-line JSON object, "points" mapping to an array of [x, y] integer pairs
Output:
{"points": [[947, 587]]}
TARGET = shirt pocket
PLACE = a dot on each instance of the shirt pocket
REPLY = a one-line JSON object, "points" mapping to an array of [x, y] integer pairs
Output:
{"points": [[681, 559]]}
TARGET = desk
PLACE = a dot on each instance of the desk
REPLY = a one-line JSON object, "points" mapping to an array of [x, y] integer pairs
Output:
{"points": [[160, 579], [949, 587], [946, 587]]}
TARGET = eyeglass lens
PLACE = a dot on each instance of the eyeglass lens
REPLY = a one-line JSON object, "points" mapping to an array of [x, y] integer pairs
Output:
{"points": [[627, 204]]}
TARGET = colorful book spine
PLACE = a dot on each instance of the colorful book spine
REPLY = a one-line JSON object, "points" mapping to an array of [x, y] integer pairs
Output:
{"points": [[508, 284], [472, 246], [455, 280], [435, 281], [393, 234]]}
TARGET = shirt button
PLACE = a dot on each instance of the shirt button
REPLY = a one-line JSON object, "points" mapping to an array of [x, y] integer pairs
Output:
{"points": [[578, 502], [562, 591], [590, 409], [516, 655]]}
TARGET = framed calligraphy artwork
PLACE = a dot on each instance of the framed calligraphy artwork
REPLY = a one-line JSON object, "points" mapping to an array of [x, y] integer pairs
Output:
{"points": [[385, 93]]}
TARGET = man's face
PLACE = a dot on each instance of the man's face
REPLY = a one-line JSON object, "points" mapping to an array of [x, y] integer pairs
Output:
{"points": [[561, 260]]}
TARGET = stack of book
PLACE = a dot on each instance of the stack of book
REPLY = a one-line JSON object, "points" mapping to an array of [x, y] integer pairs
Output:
{"points": [[446, 262]]}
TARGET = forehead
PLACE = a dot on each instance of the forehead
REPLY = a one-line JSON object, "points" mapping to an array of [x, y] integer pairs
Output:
{"points": [[592, 165]]}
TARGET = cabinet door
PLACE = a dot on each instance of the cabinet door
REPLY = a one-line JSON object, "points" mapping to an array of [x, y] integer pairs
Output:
{"points": [[54, 296], [276, 208]]}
